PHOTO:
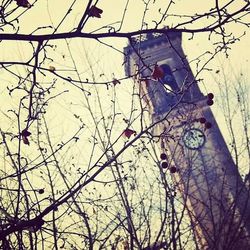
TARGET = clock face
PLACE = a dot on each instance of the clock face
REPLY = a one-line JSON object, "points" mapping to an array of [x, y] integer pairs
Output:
{"points": [[194, 138]]}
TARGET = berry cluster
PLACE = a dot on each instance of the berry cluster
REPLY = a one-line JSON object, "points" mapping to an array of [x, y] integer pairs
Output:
{"points": [[210, 102], [207, 124], [164, 164], [210, 97]]}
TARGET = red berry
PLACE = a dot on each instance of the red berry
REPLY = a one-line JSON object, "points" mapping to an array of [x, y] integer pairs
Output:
{"points": [[202, 120], [163, 156], [210, 102], [210, 96], [164, 164], [208, 125], [41, 191], [173, 170]]}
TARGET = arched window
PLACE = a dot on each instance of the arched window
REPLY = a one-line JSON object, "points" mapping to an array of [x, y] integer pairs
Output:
{"points": [[168, 77], [163, 90]]}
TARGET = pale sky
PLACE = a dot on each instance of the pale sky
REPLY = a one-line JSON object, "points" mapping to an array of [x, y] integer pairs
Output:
{"points": [[108, 61], [95, 60]]}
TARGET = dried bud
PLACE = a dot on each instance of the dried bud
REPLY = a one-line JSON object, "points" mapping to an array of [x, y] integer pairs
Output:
{"points": [[128, 132], [25, 133], [95, 12], [52, 68], [25, 140], [23, 3], [115, 81]]}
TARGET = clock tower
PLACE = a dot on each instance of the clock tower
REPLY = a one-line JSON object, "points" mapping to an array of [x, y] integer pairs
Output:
{"points": [[216, 197]]}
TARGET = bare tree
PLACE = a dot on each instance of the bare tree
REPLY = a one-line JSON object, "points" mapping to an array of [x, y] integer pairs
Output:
{"points": [[79, 169]]}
